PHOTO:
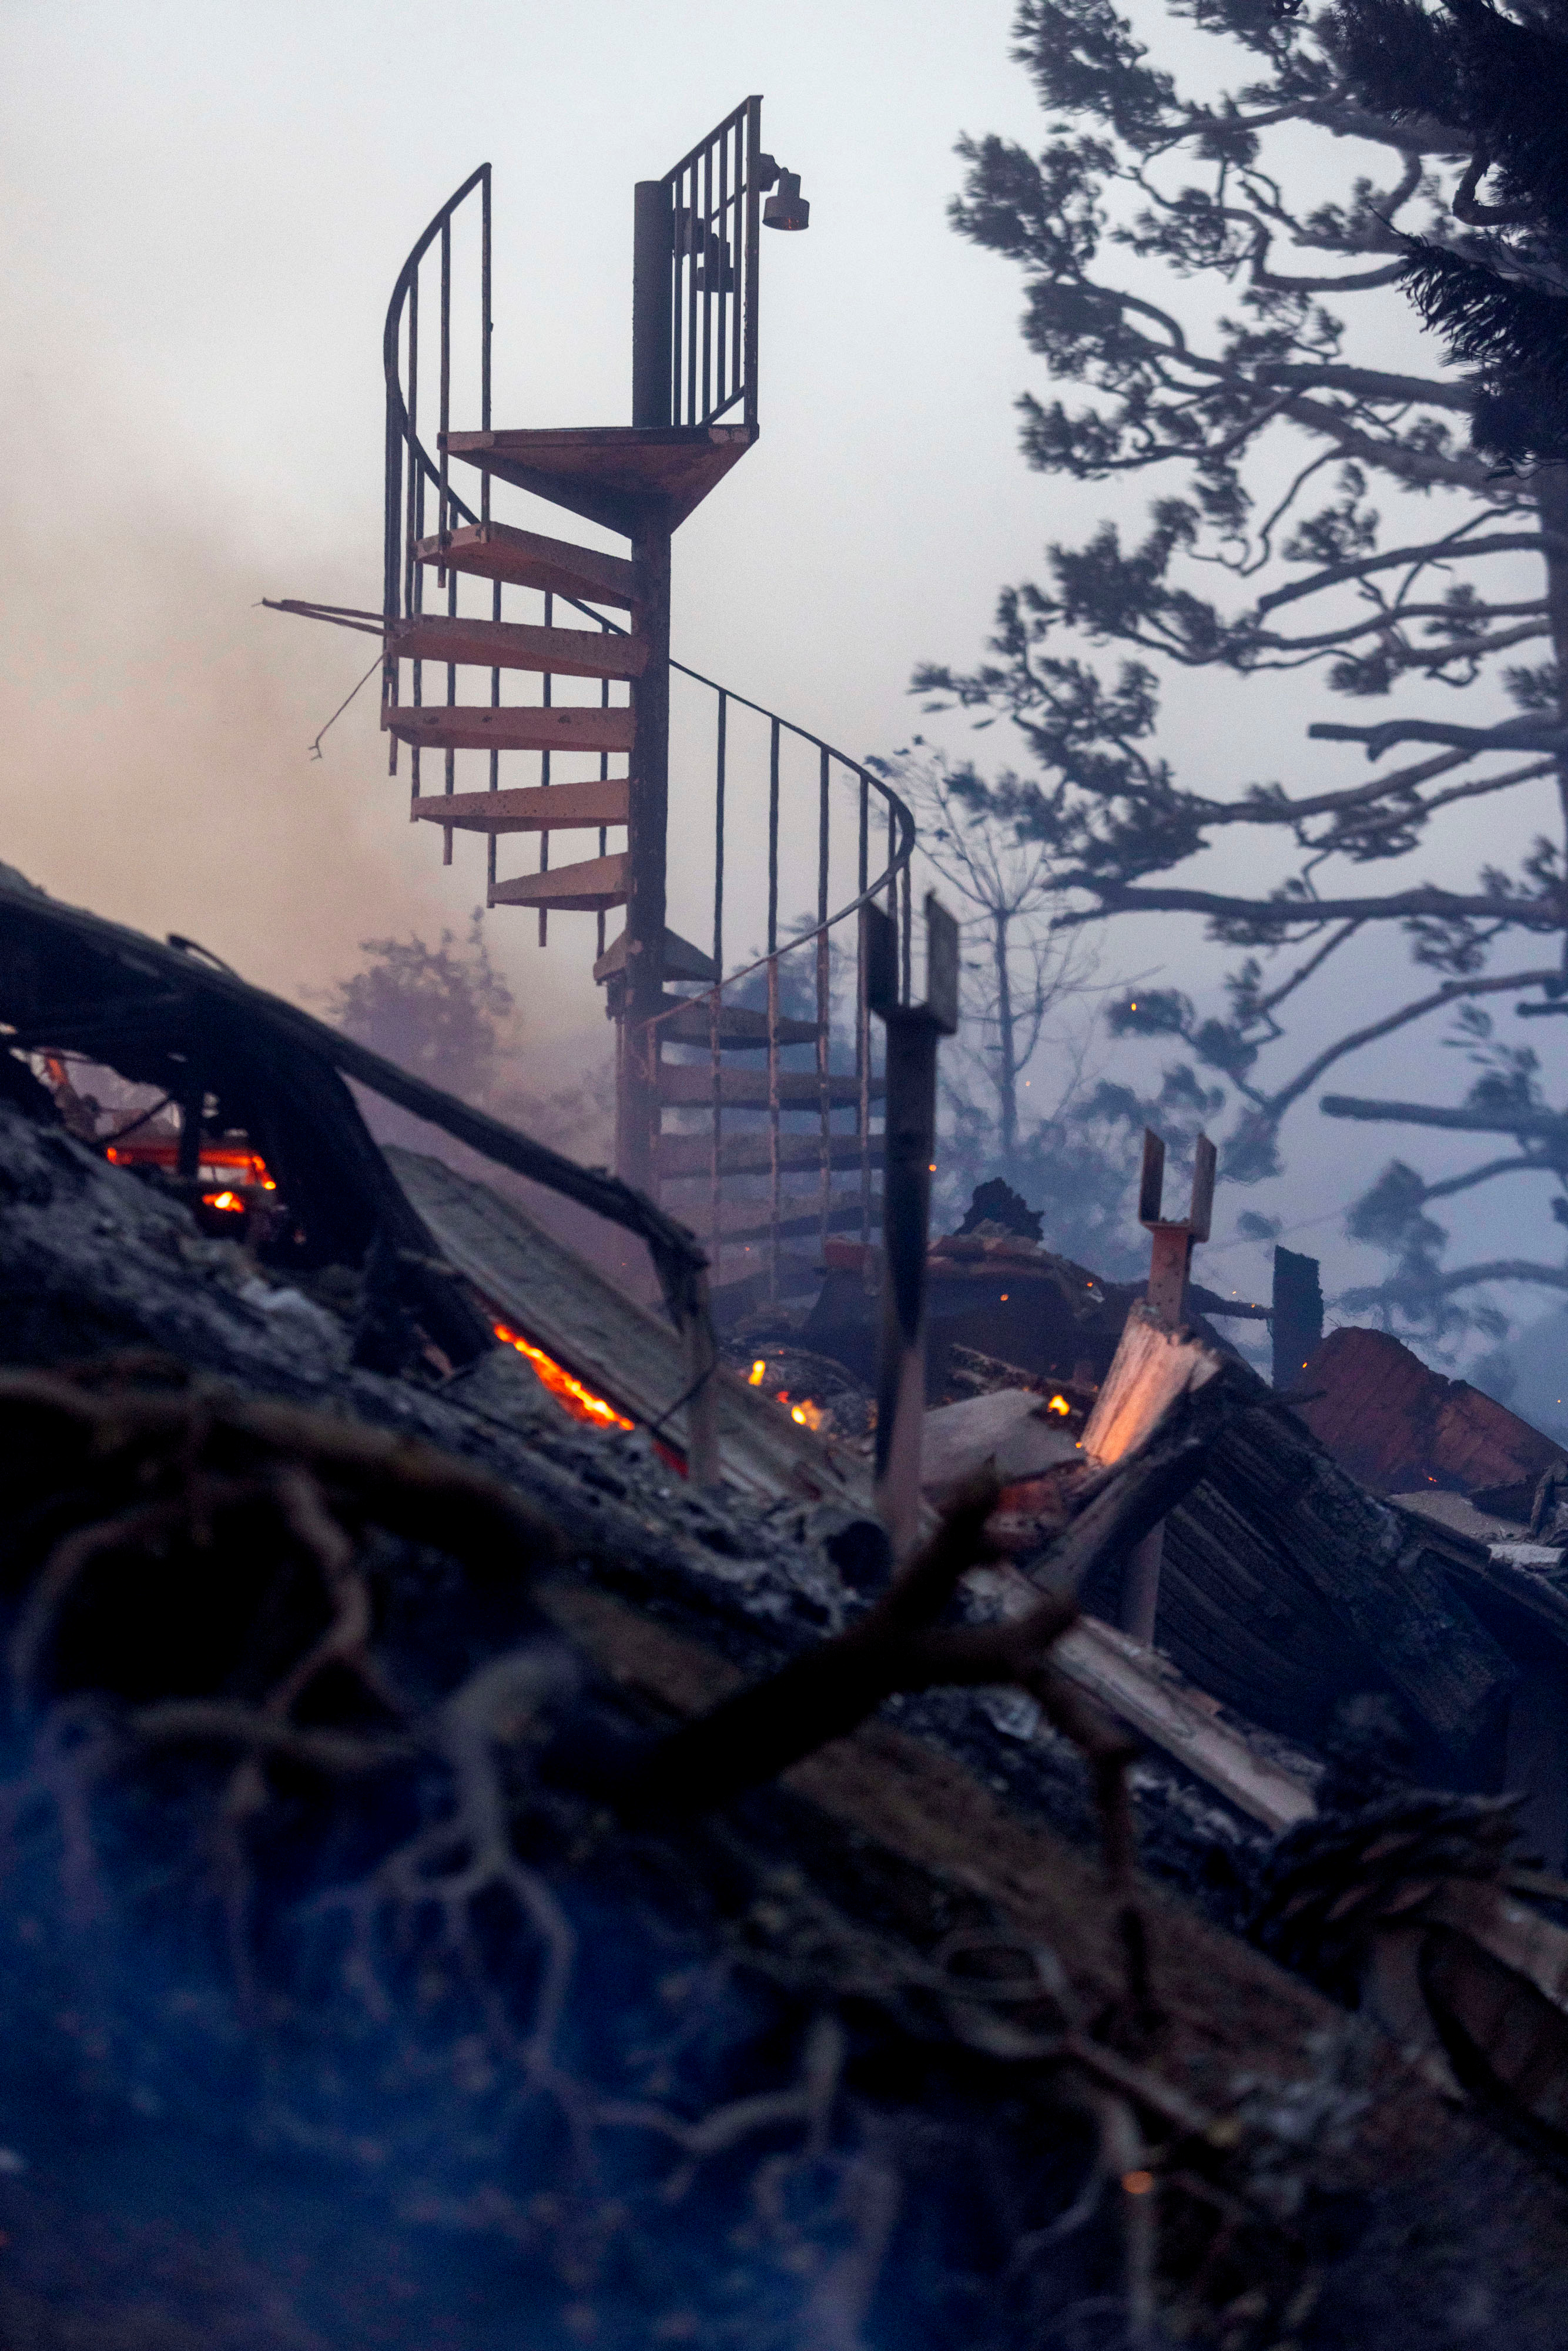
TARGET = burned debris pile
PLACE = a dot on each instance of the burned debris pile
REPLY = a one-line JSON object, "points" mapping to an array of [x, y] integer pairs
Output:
{"points": [[470, 1879]]}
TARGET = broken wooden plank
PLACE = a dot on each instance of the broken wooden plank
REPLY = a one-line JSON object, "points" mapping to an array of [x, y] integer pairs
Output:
{"points": [[1014, 1428], [1147, 1692], [1152, 1367], [616, 1347]]}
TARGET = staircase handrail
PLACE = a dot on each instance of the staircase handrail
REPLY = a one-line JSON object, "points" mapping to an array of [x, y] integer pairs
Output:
{"points": [[403, 431]]}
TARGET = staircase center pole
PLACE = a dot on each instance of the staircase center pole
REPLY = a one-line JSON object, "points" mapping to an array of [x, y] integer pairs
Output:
{"points": [[637, 1096], [648, 817], [653, 242]]}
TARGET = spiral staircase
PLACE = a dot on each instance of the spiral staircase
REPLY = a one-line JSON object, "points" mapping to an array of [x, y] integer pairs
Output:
{"points": [[528, 678]]}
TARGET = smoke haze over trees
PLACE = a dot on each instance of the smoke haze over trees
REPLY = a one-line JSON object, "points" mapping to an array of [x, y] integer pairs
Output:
{"points": [[1318, 511]]}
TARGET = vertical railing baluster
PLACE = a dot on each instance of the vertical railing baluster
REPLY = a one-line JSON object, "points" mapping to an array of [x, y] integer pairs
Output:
{"points": [[708, 292], [726, 272], [909, 935], [773, 1150], [773, 1154], [445, 578], [546, 685], [391, 564], [862, 1025], [753, 232], [677, 337], [715, 1183], [603, 776], [486, 329], [692, 297], [414, 599], [737, 307], [773, 837], [824, 1091], [441, 521]]}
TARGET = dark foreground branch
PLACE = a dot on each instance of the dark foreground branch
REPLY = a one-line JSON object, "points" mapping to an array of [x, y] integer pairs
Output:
{"points": [[899, 1648]]}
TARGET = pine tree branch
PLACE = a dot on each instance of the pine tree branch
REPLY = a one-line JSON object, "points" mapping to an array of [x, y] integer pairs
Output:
{"points": [[1509, 735], [1544, 1125], [1503, 1269], [1370, 383], [1529, 1165], [1452, 550], [1451, 992], [1275, 914]]}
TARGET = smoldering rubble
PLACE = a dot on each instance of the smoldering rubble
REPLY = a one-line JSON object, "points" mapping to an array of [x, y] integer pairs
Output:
{"points": [[469, 1884]]}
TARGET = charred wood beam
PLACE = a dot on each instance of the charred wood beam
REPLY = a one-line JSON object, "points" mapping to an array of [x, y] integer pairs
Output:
{"points": [[47, 952]]}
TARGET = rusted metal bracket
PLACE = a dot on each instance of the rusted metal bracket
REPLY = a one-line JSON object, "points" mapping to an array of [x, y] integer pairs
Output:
{"points": [[1170, 1256]]}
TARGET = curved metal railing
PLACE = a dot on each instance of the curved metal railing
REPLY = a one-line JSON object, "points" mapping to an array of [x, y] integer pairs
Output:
{"points": [[413, 477]]}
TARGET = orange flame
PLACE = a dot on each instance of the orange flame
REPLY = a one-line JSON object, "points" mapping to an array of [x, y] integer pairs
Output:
{"points": [[1059, 1403], [228, 1200], [754, 1378], [580, 1402]]}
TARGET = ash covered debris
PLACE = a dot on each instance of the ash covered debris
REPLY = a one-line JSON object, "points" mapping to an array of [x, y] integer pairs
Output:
{"points": [[437, 1911]]}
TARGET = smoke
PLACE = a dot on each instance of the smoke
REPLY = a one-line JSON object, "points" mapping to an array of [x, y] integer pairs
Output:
{"points": [[158, 722]]}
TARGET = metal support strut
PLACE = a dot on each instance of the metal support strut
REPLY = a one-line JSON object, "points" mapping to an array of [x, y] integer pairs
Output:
{"points": [[1170, 1261], [909, 1149]]}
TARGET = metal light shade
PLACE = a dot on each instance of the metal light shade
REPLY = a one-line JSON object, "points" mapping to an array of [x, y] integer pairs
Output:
{"points": [[786, 207]]}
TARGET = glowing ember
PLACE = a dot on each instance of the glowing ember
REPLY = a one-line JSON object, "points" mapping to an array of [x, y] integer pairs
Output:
{"points": [[580, 1402], [229, 1200], [223, 1164], [806, 1415], [1059, 1403]]}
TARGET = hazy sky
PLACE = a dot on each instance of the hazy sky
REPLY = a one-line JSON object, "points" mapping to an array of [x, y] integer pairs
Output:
{"points": [[205, 208]]}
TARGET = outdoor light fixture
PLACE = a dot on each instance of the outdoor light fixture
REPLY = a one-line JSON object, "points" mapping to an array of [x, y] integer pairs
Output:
{"points": [[786, 207]]}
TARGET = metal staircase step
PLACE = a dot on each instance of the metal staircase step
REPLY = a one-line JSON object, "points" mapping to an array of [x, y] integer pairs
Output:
{"points": [[681, 960], [516, 644], [691, 1087], [679, 1155], [527, 727], [609, 473], [526, 559], [739, 1028], [590, 887], [535, 808]]}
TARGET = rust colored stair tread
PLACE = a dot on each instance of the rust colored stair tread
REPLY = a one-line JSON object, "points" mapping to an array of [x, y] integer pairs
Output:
{"points": [[692, 1087], [681, 959], [590, 887], [679, 1155], [527, 559], [610, 473], [739, 1028], [517, 726], [516, 644], [534, 808]]}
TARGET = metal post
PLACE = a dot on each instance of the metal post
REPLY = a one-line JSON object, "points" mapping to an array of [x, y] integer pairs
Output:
{"points": [[651, 253], [909, 1146], [648, 813], [1298, 1321], [700, 1356], [1170, 1259]]}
